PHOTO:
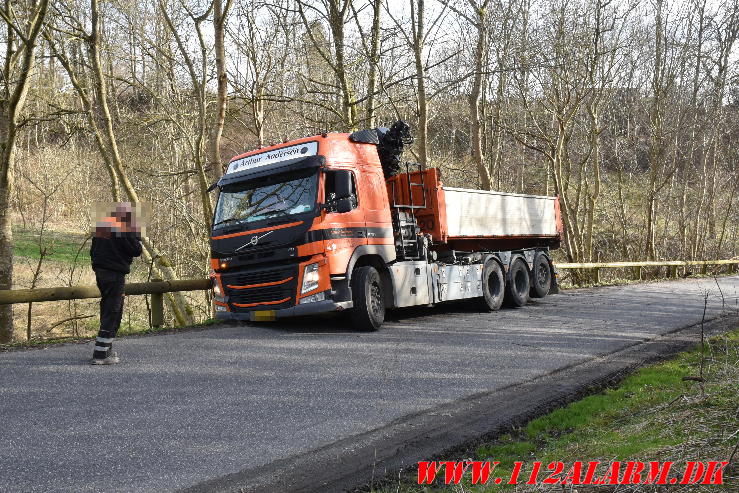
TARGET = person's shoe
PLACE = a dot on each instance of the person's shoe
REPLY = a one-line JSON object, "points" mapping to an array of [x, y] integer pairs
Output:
{"points": [[111, 359]]}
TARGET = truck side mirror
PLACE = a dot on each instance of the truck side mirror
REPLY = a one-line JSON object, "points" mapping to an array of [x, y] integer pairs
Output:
{"points": [[343, 184], [344, 205]]}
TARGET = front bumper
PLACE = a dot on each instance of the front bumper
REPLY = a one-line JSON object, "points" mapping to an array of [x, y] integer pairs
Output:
{"points": [[306, 309]]}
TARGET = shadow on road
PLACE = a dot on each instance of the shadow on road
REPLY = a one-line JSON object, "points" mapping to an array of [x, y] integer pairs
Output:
{"points": [[340, 323]]}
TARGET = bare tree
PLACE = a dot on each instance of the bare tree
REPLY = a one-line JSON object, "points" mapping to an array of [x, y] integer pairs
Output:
{"points": [[335, 13], [260, 60], [417, 38], [478, 17], [95, 102], [372, 50], [46, 190], [220, 15], [23, 23], [199, 80]]}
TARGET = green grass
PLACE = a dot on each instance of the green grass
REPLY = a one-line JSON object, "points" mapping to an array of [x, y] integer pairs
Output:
{"points": [[61, 247], [652, 415]]}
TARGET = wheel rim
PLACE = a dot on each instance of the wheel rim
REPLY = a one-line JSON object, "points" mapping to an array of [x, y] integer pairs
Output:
{"points": [[375, 300]]}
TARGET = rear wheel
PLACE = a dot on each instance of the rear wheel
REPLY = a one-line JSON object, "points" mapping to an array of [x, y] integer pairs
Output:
{"points": [[517, 289], [541, 277], [493, 285], [368, 312]]}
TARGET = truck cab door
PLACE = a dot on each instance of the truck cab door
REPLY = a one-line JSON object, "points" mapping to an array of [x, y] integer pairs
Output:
{"points": [[344, 228], [377, 210]]}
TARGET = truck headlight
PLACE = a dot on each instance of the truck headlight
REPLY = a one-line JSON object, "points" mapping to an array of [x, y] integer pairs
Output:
{"points": [[217, 292], [310, 278]]}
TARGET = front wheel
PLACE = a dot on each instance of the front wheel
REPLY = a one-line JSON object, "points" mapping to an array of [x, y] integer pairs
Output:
{"points": [[368, 312]]}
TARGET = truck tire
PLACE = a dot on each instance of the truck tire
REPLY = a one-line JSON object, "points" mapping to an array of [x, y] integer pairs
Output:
{"points": [[541, 276], [368, 312], [493, 285], [517, 288]]}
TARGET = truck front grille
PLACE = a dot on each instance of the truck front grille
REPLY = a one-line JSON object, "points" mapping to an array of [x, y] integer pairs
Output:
{"points": [[258, 277], [266, 288]]}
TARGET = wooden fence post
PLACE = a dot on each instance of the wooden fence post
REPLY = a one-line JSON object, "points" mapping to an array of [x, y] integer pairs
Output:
{"points": [[704, 269], [673, 270], [157, 308]]}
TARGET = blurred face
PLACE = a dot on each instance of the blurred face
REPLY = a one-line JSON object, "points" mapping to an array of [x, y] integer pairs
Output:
{"points": [[123, 212], [126, 217]]}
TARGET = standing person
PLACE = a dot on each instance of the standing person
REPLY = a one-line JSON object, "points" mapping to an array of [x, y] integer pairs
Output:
{"points": [[116, 242]]}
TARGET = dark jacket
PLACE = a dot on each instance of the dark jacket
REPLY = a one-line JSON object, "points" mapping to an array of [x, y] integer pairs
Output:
{"points": [[115, 253]]}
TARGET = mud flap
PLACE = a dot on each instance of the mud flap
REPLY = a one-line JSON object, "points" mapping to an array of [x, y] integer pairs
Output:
{"points": [[554, 288]]}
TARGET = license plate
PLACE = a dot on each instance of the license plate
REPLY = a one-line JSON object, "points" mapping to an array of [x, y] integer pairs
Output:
{"points": [[263, 316]]}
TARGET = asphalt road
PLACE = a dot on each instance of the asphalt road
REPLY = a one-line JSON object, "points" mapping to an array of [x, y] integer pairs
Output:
{"points": [[189, 407]]}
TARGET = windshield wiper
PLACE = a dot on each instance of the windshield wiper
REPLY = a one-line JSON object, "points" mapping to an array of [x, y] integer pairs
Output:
{"points": [[230, 219], [280, 213]]}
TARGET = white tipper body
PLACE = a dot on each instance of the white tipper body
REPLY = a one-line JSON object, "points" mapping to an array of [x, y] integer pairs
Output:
{"points": [[482, 213]]}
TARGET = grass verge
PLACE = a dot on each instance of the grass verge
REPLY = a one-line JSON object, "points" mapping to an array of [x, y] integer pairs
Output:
{"points": [[656, 414], [62, 247]]}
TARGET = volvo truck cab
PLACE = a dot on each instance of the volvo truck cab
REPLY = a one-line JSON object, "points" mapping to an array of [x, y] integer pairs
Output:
{"points": [[293, 222]]}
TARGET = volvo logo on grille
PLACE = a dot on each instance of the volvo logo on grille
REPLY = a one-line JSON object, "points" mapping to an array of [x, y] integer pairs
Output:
{"points": [[253, 240]]}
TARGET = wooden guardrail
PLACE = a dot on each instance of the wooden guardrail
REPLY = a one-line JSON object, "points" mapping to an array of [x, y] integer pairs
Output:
{"points": [[157, 288], [672, 266]]}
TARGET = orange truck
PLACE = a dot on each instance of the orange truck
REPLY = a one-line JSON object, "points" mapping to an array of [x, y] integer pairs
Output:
{"points": [[336, 222]]}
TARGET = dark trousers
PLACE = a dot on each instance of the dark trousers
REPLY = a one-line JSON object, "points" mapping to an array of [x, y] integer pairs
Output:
{"points": [[110, 283]]}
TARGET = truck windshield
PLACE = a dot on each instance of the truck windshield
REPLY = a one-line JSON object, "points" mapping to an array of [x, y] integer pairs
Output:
{"points": [[255, 201]]}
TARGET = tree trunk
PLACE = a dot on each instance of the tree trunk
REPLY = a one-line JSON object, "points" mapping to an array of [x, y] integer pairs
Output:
{"points": [[199, 89], [257, 108], [476, 134], [423, 112], [595, 193], [108, 148], [219, 28], [6, 237], [337, 16], [373, 62], [17, 70], [656, 147]]}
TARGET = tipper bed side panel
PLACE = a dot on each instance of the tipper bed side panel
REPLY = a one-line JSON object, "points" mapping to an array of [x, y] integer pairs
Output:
{"points": [[480, 213]]}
